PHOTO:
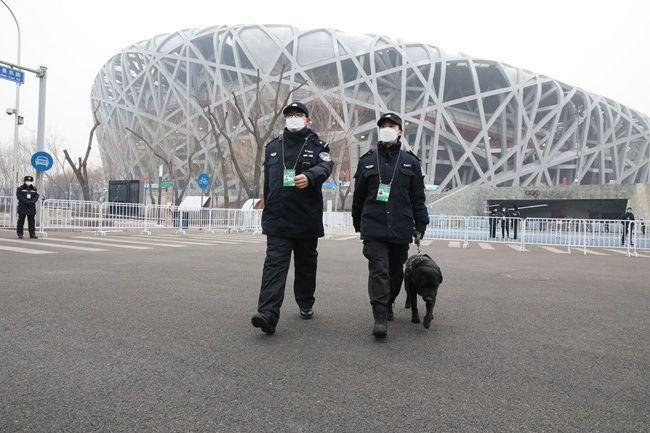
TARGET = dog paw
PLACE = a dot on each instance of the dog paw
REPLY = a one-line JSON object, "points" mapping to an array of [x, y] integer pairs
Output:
{"points": [[415, 320], [427, 321]]}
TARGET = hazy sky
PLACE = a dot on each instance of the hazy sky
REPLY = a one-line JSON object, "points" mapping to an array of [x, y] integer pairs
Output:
{"points": [[600, 46]]}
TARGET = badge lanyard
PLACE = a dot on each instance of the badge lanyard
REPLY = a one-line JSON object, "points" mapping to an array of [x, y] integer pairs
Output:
{"points": [[383, 192], [288, 175]]}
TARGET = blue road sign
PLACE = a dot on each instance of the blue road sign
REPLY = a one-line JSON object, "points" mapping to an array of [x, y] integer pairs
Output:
{"points": [[11, 74], [203, 180], [42, 161]]}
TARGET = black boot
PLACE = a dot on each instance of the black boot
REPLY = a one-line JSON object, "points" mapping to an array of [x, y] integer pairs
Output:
{"points": [[389, 315], [381, 321]]}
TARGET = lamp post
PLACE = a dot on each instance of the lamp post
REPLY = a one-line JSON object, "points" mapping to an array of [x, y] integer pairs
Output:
{"points": [[14, 170]]}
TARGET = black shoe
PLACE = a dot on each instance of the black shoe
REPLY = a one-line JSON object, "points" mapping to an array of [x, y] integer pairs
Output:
{"points": [[264, 322], [380, 329], [33, 237], [20, 236], [389, 315], [306, 313]]}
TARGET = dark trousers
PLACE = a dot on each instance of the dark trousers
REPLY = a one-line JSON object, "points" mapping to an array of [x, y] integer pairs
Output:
{"points": [[627, 229], [505, 228], [385, 270], [276, 268], [493, 227], [31, 224], [515, 223]]}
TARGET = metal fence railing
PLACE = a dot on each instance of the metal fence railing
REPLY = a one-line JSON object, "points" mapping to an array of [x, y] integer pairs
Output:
{"points": [[5, 211], [628, 236]]}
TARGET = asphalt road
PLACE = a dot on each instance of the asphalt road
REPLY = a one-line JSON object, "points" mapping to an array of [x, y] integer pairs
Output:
{"points": [[160, 340]]}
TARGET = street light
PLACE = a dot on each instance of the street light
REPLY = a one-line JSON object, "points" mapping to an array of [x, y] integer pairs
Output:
{"points": [[16, 113]]}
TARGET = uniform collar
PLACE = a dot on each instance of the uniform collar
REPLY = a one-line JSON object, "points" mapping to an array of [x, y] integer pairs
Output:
{"points": [[296, 137], [392, 150]]}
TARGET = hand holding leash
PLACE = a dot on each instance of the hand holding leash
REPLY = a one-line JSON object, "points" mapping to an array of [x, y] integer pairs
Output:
{"points": [[418, 237]]}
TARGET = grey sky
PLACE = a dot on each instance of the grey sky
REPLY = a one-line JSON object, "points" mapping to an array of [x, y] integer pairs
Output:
{"points": [[600, 46]]}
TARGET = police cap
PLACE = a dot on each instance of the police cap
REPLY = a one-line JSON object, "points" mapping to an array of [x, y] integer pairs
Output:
{"points": [[390, 117], [295, 106]]}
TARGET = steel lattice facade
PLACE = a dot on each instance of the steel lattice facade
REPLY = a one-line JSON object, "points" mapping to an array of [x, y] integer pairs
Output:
{"points": [[469, 120]]}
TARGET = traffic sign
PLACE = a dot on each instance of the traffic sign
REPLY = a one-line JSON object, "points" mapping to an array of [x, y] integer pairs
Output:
{"points": [[166, 183], [42, 160], [203, 180], [11, 74]]}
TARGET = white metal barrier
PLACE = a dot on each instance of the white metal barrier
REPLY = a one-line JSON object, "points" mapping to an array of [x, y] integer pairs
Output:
{"points": [[338, 224], [69, 215], [630, 236], [444, 227], [5, 211], [495, 229]]}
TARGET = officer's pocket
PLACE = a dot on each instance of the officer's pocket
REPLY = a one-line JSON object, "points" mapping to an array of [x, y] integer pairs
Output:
{"points": [[274, 169], [369, 173], [407, 171]]}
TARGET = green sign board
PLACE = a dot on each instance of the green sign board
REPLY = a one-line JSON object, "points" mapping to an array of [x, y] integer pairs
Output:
{"points": [[166, 183]]}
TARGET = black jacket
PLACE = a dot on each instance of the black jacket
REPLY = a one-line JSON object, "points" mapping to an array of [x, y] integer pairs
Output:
{"points": [[290, 212], [26, 205], [628, 218], [391, 221]]}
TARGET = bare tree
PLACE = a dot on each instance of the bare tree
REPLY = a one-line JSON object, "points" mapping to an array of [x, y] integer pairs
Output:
{"points": [[81, 170], [168, 161], [262, 106], [328, 124]]}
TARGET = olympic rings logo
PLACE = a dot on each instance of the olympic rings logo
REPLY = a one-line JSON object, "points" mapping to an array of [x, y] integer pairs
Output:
{"points": [[532, 192]]}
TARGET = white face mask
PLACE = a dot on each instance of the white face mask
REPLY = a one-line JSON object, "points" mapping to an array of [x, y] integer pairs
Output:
{"points": [[295, 123], [387, 135], [29, 183]]}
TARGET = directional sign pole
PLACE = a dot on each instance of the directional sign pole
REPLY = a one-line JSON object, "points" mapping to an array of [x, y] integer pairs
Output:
{"points": [[40, 136]]}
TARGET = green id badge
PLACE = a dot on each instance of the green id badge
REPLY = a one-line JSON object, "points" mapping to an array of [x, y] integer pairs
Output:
{"points": [[288, 178], [383, 192]]}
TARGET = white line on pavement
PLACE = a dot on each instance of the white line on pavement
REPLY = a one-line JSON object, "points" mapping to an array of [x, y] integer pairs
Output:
{"points": [[425, 243], [24, 250], [554, 250], [485, 246], [517, 247], [103, 244], [454, 244], [48, 244], [595, 253], [126, 241]]}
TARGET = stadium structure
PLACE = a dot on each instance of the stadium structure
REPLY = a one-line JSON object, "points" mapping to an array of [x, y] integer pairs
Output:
{"points": [[470, 120]]}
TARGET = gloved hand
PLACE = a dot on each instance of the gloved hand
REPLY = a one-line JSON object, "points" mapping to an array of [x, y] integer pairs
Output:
{"points": [[357, 226], [418, 236]]}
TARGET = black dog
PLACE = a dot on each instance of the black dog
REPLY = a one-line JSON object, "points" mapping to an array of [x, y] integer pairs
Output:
{"points": [[422, 276]]}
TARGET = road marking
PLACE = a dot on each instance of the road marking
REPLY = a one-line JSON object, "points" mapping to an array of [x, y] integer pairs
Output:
{"points": [[485, 246], [48, 244], [454, 244], [554, 250], [214, 241], [102, 244], [347, 238], [184, 242], [24, 250], [624, 252], [425, 243], [595, 253], [126, 241], [517, 247]]}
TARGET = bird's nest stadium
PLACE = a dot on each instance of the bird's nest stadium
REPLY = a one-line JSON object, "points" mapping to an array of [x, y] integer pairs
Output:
{"points": [[470, 120]]}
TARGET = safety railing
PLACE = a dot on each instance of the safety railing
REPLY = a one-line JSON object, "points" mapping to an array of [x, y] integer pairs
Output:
{"points": [[445, 227], [628, 236], [495, 229], [5, 211], [69, 215]]}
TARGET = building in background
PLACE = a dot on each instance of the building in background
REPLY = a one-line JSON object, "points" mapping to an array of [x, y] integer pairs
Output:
{"points": [[470, 120]]}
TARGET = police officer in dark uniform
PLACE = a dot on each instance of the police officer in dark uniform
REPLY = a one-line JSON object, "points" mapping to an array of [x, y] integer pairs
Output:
{"points": [[628, 225], [388, 209], [27, 199], [504, 217], [515, 215], [493, 222], [295, 166]]}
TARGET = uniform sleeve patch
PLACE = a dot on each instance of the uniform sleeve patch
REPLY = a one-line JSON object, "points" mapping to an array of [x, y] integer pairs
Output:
{"points": [[325, 156], [407, 165]]}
